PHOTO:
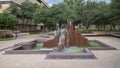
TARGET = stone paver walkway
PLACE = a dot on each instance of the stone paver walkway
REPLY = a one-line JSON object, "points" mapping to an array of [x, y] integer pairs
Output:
{"points": [[4, 44], [105, 58]]}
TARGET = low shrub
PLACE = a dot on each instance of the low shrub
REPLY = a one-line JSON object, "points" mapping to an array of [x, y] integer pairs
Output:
{"points": [[83, 31]]}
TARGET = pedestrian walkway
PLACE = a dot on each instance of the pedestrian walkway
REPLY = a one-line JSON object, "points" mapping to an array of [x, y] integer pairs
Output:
{"points": [[4, 44]]}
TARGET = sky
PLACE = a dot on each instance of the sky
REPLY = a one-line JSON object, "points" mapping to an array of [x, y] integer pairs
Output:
{"points": [[51, 2]]}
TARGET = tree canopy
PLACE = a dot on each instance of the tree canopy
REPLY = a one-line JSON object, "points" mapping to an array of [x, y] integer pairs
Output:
{"points": [[8, 21], [87, 12]]}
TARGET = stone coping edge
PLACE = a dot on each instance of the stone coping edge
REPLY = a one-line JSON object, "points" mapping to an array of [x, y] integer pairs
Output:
{"points": [[87, 55]]}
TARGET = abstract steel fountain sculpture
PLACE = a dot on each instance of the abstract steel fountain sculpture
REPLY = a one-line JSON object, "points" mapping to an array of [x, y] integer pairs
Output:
{"points": [[72, 38], [52, 42]]}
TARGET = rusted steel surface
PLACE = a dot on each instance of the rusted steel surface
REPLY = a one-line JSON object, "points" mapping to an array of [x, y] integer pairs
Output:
{"points": [[73, 38], [52, 43]]}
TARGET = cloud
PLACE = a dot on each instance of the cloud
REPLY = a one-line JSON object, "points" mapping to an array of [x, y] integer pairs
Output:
{"points": [[51, 2], [50, 5]]}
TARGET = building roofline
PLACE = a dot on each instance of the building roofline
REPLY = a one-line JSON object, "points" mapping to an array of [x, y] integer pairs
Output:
{"points": [[5, 0], [45, 3]]}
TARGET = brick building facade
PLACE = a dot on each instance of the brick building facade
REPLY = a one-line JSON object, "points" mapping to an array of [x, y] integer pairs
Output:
{"points": [[28, 26]]}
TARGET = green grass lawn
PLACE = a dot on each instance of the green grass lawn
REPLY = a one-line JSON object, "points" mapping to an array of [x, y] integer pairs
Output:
{"points": [[94, 44], [38, 46], [6, 39]]}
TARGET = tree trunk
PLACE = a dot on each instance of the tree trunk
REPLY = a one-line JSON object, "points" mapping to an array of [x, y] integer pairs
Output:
{"points": [[110, 27], [104, 27], [98, 28], [22, 24], [119, 27], [87, 27], [27, 21], [114, 27]]}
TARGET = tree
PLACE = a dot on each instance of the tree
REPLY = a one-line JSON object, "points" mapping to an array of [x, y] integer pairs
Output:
{"points": [[70, 3], [115, 13], [25, 10], [102, 16], [15, 9], [61, 13], [8, 21], [43, 15], [58, 13], [85, 11]]}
